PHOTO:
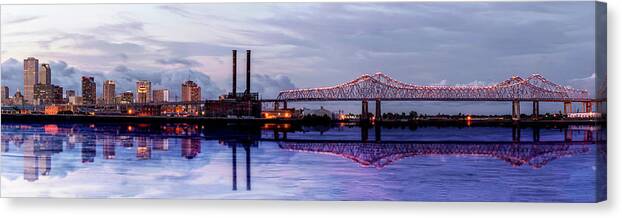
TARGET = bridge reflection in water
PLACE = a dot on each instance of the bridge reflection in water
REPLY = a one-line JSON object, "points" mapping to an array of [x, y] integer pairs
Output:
{"points": [[379, 153]]}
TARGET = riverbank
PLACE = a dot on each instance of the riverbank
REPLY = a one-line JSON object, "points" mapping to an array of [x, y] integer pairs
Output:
{"points": [[41, 118]]}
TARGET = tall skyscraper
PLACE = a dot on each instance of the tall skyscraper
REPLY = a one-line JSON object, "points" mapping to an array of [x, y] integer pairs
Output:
{"points": [[89, 91], [45, 75], [160, 95], [143, 91], [109, 91], [31, 77], [190, 91]]}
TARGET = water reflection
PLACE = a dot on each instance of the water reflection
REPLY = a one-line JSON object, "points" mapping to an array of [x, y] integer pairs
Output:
{"points": [[375, 147]]}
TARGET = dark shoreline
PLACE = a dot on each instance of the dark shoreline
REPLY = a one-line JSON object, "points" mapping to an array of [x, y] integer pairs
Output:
{"points": [[40, 118]]}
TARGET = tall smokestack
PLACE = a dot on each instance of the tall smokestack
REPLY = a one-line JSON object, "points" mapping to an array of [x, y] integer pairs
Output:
{"points": [[235, 73], [248, 72]]}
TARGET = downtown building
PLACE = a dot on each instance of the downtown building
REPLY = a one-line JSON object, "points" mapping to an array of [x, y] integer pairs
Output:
{"points": [[143, 91], [160, 95], [125, 98], [89, 91], [109, 92], [45, 94], [31, 78], [45, 74], [5, 95], [190, 91]]}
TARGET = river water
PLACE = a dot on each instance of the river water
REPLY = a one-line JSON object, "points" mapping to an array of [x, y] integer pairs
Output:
{"points": [[189, 161]]}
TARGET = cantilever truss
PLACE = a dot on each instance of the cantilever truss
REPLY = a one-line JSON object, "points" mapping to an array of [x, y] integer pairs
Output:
{"points": [[382, 87]]}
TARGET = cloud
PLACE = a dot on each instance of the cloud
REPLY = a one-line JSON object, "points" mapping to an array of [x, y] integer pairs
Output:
{"points": [[179, 61], [270, 86], [22, 19], [176, 10], [12, 72]]}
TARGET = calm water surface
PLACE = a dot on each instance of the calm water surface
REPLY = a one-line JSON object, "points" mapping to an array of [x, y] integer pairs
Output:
{"points": [[304, 163]]}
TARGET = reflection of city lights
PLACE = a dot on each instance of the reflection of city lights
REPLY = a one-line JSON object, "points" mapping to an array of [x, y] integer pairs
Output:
{"points": [[50, 129], [130, 128]]}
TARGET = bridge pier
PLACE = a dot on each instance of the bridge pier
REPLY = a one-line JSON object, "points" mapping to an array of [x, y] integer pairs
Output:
{"points": [[567, 107], [364, 111], [567, 135], [247, 148], [276, 105], [515, 110], [378, 111], [588, 136], [284, 104], [536, 110], [378, 133], [515, 134], [234, 165], [364, 133], [587, 106], [536, 134]]}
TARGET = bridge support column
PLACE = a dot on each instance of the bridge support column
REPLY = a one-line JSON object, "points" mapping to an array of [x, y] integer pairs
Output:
{"points": [[536, 110], [515, 110], [364, 111], [516, 134], [567, 107], [378, 133], [247, 149], [567, 135], [284, 104], [587, 106], [276, 105], [536, 134], [234, 165], [588, 136], [378, 111], [364, 133]]}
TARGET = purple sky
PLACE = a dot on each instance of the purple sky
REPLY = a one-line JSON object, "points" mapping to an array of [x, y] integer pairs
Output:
{"points": [[301, 45]]}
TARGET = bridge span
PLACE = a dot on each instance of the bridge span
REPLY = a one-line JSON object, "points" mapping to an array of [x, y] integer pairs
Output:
{"points": [[380, 87]]}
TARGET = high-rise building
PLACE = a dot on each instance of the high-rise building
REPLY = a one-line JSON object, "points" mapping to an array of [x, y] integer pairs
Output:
{"points": [[126, 97], [109, 92], [89, 91], [143, 91], [45, 74], [5, 92], [190, 91], [160, 95], [47, 94], [31, 77]]}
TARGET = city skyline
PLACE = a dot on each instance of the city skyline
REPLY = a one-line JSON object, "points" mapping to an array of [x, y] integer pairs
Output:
{"points": [[301, 52]]}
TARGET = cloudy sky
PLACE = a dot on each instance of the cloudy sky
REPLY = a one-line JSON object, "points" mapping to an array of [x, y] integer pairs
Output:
{"points": [[300, 45]]}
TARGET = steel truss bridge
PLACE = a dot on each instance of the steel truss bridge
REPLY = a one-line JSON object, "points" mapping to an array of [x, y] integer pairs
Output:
{"points": [[380, 87]]}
